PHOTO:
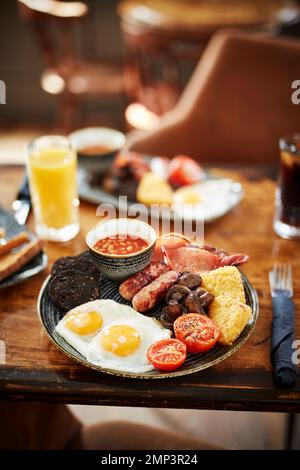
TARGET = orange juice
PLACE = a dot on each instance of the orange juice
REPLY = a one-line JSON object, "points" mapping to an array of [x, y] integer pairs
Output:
{"points": [[53, 186]]}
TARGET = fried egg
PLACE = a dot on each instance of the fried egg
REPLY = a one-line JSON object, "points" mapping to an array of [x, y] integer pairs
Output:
{"points": [[123, 344], [111, 335], [79, 326], [188, 195]]}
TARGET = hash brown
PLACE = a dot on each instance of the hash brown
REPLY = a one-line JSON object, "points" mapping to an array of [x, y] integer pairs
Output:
{"points": [[231, 316], [224, 281]]}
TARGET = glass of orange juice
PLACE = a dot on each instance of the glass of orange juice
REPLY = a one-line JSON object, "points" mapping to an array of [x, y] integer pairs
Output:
{"points": [[52, 169]]}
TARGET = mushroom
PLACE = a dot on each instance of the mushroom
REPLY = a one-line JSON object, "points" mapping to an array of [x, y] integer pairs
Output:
{"points": [[173, 309], [166, 321], [177, 292], [200, 291], [190, 280], [177, 296], [193, 304], [206, 299]]}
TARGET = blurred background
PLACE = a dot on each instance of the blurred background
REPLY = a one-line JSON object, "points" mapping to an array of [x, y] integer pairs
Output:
{"points": [[71, 64], [123, 64], [33, 41]]}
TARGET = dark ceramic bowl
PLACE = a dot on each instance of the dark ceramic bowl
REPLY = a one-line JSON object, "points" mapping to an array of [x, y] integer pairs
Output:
{"points": [[119, 267], [93, 137]]}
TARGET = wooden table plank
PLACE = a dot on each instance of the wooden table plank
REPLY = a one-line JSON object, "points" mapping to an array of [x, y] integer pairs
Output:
{"points": [[34, 369]]}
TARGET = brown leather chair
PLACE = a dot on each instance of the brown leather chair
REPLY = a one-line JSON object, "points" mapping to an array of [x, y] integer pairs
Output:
{"points": [[236, 105]]}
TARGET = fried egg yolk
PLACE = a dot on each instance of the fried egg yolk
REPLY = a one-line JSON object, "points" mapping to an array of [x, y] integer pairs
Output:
{"points": [[121, 340], [187, 196], [84, 323]]}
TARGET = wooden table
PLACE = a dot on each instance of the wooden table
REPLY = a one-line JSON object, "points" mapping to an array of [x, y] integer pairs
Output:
{"points": [[34, 370]]}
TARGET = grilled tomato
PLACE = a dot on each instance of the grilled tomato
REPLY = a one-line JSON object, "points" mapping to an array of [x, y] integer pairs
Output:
{"points": [[197, 331], [167, 354], [184, 170]]}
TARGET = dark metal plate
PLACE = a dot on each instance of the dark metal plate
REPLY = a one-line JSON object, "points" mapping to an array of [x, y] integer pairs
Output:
{"points": [[50, 315]]}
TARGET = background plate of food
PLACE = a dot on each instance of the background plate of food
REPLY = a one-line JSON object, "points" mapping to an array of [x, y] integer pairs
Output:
{"points": [[180, 185], [198, 317]]}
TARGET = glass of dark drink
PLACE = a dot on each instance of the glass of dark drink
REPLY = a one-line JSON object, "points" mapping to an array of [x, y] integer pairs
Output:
{"points": [[287, 200]]}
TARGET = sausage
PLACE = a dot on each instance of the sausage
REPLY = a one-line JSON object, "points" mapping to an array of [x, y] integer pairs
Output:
{"points": [[135, 283], [149, 296]]}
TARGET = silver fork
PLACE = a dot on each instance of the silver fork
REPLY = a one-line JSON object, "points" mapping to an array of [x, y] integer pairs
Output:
{"points": [[281, 280]]}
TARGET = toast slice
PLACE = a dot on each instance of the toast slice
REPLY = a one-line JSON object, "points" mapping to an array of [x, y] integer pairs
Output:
{"points": [[12, 262], [13, 242]]}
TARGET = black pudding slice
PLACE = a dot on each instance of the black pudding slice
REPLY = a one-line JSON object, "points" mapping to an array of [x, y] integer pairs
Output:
{"points": [[71, 288], [81, 263]]}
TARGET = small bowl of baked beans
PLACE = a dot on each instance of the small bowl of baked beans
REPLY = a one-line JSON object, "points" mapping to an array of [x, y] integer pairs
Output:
{"points": [[121, 247]]}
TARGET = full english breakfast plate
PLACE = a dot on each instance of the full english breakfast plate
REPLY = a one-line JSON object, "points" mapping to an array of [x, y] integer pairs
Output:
{"points": [[187, 309]]}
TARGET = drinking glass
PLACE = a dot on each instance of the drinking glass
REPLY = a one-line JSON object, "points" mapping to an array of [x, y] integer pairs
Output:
{"points": [[52, 170], [287, 199]]}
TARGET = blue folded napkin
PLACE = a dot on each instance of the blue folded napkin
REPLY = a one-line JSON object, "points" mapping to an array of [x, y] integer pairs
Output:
{"points": [[285, 372]]}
